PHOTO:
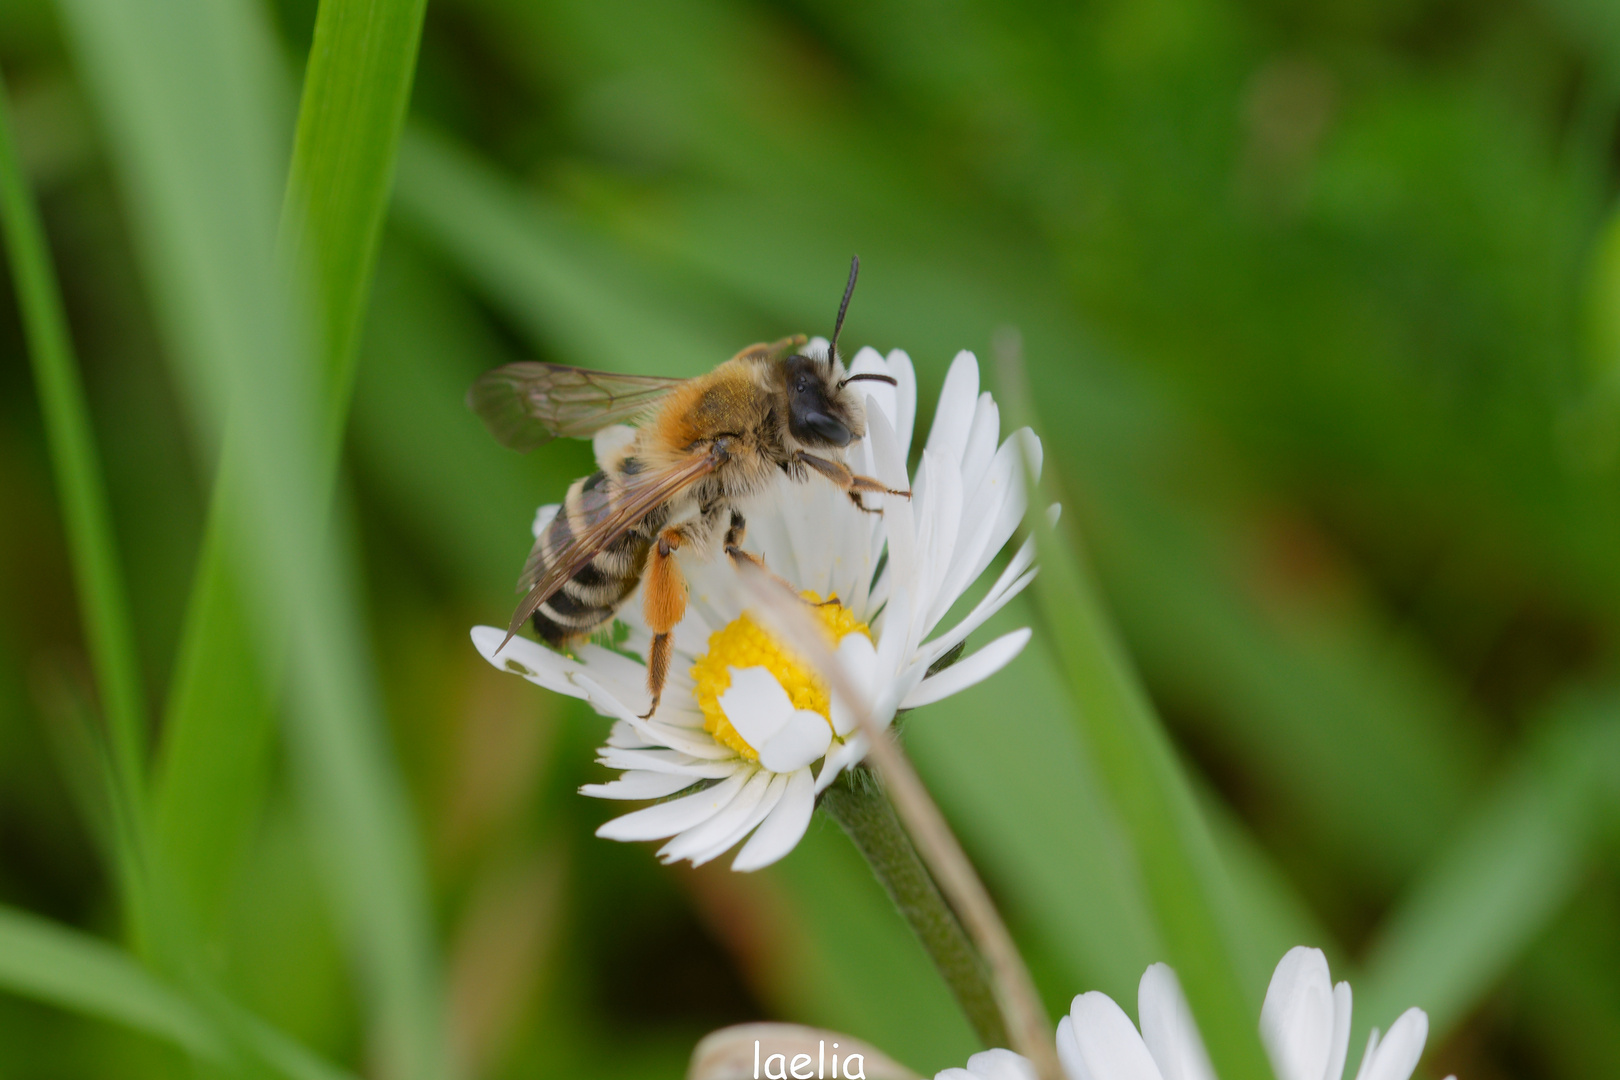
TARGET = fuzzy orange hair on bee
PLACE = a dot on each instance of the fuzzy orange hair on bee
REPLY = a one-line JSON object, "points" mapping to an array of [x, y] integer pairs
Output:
{"points": [[701, 446]]}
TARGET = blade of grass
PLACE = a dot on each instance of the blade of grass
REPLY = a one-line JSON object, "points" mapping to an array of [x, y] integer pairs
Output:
{"points": [[1504, 878], [357, 87], [1185, 885], [47, 962], [218, 727], [185, 88], [1038, 824], [103, 600]]}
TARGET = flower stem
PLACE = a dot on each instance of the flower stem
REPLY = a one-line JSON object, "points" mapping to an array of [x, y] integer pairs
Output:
{"points": [[860, 807]]}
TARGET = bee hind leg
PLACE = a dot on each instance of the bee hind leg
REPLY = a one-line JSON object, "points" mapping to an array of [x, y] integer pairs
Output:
{"points": [[663, 604]]}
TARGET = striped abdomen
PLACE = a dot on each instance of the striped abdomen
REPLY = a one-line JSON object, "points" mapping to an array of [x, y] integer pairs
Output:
{"points": [[586, 602]]}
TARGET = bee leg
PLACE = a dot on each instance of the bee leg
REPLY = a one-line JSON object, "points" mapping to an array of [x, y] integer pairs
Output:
{"points": [[734, 538], [839, 473], [735, 533], [855, 497], [663, 604]]}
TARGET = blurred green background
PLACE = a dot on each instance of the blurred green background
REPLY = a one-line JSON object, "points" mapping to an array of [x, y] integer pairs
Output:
{"points": [[1321, 314]]}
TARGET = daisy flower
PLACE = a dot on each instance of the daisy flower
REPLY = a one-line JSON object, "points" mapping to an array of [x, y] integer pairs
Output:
{"points": [[1304, 1023], [747, 734]]}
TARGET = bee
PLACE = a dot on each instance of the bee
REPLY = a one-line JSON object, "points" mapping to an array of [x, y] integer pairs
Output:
{"points": [[701, 447]]}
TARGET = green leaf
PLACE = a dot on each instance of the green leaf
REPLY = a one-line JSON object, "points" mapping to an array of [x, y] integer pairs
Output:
{"points": [[185, 87], [47, 962], [1505, 876], [1183, 881], [103, 600], [357, 88], [218, 727], [1038, 823]]}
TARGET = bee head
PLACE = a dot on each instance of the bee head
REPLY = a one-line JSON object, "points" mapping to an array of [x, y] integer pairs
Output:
{"points": [[820, 411]]}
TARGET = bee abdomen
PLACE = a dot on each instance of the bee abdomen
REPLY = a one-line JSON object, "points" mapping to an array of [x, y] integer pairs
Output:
{"points": [[587, 601]]}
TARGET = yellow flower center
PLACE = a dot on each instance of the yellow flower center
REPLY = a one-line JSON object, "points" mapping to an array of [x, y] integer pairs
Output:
{"points": [[743, 643]]}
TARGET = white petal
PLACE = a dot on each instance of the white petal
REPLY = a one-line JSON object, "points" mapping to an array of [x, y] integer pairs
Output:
{"points": [[756, 705], [663, 761], [817, 519], [1168, 1028], [1296, 1021], [773, 795], [523, 657], [625, 736], [939, 529], [803, 740], [993, 601], [958, 400], [1397, 1055], [969, 670], [543, 517], [859, 658], [733, 1053], [869, 362], [897, 517], [609, 442], [678, 815], [1074, 1066], [618, 675], [991, 513], [840, 757], [981, 444], [893, 650], [1106, 1044], [640, 785], [992, 1065], [905, 396], [698, 744], [1368, 1055], [1341, 1032], [781, 830], [723, 826]]}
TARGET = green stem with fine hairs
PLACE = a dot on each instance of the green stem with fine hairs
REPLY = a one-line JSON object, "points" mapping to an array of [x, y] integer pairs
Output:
{"points": [[860, 807]]}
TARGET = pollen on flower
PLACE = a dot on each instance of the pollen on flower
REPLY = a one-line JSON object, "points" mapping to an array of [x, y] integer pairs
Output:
{"points": [[743, 643]]}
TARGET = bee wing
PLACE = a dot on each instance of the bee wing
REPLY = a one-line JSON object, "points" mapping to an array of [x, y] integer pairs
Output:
{"points": [[525, 405], [607, 513]]}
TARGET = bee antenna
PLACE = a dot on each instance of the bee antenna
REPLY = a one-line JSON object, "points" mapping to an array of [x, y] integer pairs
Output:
{"points": [[849, 290]]}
